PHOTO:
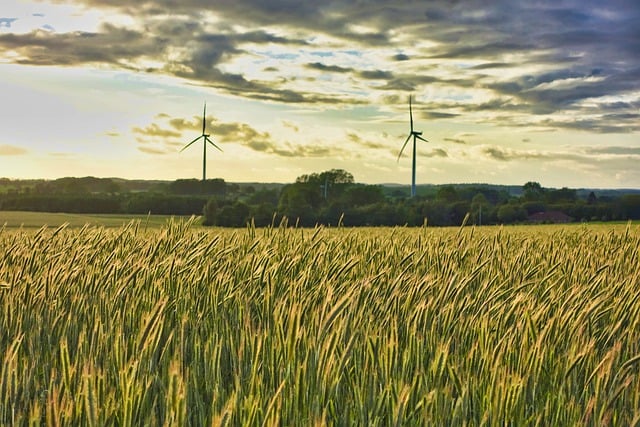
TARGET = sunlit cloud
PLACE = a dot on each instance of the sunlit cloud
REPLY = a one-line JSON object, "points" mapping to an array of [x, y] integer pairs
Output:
{"points": [[11, 150]]}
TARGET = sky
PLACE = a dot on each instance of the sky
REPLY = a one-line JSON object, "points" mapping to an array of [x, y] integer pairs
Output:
{"points": [[505, 91]]}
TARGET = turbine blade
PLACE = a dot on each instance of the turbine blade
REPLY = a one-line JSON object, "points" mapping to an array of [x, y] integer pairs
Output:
{"points": [[410, 114], [204, 118], [404, 145], [419, 137], [212, 143], [189, 144]]}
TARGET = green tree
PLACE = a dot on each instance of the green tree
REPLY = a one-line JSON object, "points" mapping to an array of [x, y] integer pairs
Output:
{"points": [[447, 193], [532, 191], [234, 215], [300, 201], [511, 213], [359, 195], [562, 195]]}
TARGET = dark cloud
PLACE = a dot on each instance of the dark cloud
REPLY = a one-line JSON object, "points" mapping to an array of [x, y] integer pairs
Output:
{"points": [[614, 156], [375, 75], [455, 140], [436, 152], [435, 115], [330, 68], [491, 65], [410, 82], [570, 53], [600, 124], [504, 154], [112, 45]]}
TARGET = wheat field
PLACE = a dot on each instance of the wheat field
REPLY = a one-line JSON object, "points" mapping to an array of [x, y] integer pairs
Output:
{"points": [[328, 326]]}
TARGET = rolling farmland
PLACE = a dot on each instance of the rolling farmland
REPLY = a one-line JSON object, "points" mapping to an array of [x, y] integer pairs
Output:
{"points": [[179, 325]]}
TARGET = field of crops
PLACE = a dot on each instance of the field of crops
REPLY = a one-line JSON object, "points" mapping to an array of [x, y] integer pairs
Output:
{"points": [[186, 326], [18, 219]]}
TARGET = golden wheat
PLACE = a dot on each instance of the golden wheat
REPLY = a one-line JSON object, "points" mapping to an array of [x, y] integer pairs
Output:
{"points": [[285, 326]]}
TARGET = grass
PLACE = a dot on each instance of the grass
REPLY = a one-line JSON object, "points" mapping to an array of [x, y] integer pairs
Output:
{"points": [[397, 326], [14, 219]]}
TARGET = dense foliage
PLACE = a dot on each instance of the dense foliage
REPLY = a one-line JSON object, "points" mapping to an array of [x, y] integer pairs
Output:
{"points": [[282, 326], [330, 197]]}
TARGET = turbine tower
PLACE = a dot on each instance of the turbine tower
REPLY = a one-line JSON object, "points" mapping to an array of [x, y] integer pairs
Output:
{"points": [[416, 135], [205, 139]]}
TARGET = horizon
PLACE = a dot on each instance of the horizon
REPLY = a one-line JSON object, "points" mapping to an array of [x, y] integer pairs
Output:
{"points": [[383, 184], [507, 92]]}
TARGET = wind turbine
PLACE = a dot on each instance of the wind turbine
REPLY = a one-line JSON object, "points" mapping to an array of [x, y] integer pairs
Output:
{"points": [[416, 135], [205, 139]]}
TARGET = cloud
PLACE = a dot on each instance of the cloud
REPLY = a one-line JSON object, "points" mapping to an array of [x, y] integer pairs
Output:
{"points": [[6, 22], [330, 68], [167, 134], [615, 150], [155, 131], [575, 59], [291, 125], [400, 57], [455, 140], [364, 142], [11, 150], [436, 152], [435, 115], [152, 150], [583, 155], [504, 154], [375, 75]]}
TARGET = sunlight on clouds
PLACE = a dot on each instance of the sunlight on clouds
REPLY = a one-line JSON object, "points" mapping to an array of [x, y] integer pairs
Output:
{"points": [[61, 17], [569, 83], [311, 84]]}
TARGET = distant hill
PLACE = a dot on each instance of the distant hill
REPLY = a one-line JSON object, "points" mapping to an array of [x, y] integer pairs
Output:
{"points": [[390, 189]]}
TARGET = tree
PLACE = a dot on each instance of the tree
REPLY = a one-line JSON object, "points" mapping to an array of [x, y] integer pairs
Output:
{"points": [[333, 176], [235, 215], [511, 213], [185, 186], [264, 196], [447, 193], [364, 195], [562, 195], [630, 206], [533, 191], [300, 200]]}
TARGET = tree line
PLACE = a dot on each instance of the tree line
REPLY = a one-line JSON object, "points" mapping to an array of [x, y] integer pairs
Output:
{"points": [[330, 197]]}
